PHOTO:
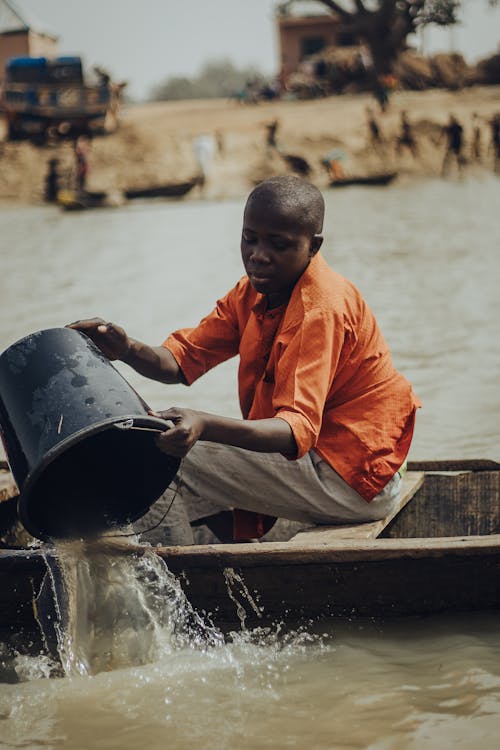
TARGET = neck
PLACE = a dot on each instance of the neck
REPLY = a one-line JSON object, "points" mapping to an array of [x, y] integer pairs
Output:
{"points": [[276, 299]]}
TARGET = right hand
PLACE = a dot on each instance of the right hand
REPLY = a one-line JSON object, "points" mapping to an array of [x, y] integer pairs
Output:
{"points": [[110, 338], [187, 428]]}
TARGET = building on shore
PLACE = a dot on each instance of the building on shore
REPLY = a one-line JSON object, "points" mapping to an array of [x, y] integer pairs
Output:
{"points": [[305, 29], [22, 36]]}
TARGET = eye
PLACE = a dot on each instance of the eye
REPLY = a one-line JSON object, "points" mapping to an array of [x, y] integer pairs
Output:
{"points": [[279, 243], [249, 239]]}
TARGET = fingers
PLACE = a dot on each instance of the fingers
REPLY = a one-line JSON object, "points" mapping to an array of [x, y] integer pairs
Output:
{"points": [[99, 325], [181, 436], [175, 442], [110, 338], [112, 330], [87, 325], [173, 414]]}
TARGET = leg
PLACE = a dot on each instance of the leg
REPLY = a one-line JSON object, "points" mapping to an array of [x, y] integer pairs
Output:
{"points": [[214, 478], [446, 163]]}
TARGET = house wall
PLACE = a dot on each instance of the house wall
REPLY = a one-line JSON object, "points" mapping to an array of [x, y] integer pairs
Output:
{"points": [[19, 43], [41, 45], [295, 34]]}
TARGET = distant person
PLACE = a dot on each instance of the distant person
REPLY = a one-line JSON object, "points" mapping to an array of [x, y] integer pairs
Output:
{"points": [[283, 79], [81, 152], [204, 147], [52, 181], [406, 139], [327, 421], [495, 141], [332, 162], [270, 91], [476, 150], [453, 134], [116, 90], [220, 143], [272, 129], [381, 93], [103, 76], [375, 138]]}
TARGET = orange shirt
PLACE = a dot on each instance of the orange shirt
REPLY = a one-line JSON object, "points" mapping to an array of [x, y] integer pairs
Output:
{"points": [[321, 364]]}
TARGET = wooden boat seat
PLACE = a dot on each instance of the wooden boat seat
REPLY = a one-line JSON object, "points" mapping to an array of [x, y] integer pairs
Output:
{"points": [[412, 481]]}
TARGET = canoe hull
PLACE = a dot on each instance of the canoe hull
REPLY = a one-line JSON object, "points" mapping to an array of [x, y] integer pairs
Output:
{"points": [[170, 190], [376, 578], [404, 572], [377, 179]]}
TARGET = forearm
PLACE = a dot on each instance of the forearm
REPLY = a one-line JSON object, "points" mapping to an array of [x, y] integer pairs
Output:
{"points": [[261, 435], [154, 362]]}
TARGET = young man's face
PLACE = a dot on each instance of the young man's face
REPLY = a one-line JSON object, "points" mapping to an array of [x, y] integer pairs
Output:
{"points": [[275, 250]]}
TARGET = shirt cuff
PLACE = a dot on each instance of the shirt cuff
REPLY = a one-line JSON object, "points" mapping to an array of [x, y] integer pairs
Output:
{"points": [[302, 432], [178, 351]]}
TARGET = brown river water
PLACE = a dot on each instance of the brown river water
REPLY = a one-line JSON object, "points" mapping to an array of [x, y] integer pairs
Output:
{"points": [[426, 257]]}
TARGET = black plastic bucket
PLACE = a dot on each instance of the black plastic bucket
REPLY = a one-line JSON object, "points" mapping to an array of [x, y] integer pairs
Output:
{"points": [[79, 439]]}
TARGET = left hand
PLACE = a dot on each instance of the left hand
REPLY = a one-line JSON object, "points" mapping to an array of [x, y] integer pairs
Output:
{"points": [[187, 429]]}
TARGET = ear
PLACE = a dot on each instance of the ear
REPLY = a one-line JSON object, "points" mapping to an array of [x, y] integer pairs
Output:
{"points": [[316, 242]]}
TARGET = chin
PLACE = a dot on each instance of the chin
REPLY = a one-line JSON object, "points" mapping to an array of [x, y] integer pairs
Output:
{"points": [[261, 286]]}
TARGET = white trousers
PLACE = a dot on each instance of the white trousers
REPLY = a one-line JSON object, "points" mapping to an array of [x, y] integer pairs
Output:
{"points": [[215, 477]]}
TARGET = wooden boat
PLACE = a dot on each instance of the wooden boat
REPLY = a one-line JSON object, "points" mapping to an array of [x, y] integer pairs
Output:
{"points": [[440, 552], [383, 178], [297, 164], [72, 200], [169, 190]]}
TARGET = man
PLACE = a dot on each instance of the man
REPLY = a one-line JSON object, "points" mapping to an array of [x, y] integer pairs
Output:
{"points": [[327, 420]]}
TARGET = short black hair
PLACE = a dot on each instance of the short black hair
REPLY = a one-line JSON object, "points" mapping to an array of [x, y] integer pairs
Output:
{"points": [[295, 196]]}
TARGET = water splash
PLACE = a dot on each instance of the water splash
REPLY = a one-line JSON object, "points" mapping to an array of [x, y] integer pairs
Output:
{"points": [[100, 612], [107, 605], [239, 594]]}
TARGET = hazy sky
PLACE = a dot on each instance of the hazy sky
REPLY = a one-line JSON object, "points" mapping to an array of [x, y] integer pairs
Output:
{"points": [[145, 42]]}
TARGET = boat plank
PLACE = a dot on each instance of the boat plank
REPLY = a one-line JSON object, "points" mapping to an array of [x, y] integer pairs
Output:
{"points": [[441, 563], [412, 481]]}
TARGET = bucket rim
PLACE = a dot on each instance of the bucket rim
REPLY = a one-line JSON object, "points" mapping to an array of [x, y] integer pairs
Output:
{"points": [[44, 330], [25, 491]]}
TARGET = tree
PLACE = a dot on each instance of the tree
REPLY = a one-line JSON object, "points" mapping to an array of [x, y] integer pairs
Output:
{"points": [[384, 25], [217, 78]]}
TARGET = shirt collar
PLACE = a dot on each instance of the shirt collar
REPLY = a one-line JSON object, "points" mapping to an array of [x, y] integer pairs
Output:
{"points": [[301, 297]]}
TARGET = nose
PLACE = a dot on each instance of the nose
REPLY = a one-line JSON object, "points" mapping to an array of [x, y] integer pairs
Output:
{"points": [[260, 253]]}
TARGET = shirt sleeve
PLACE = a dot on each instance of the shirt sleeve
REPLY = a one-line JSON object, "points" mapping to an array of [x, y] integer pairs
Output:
{"points": [[214, 340], [305, 368]]}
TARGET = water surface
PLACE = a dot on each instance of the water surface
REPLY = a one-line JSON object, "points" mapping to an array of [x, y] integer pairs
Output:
{"points": [[425, 256]]}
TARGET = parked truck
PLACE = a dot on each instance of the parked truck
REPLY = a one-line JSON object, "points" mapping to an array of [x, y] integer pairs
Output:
{"points": [[44, 97]]}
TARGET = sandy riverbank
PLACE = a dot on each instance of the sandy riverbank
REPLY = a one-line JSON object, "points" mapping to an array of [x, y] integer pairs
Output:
{"points": [[154, 141]]}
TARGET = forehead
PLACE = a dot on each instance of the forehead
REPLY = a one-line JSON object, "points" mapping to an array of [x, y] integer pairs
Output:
{"points": [[264, 216]]}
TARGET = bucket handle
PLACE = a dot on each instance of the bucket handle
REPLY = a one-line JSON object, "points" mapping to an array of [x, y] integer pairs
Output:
{"points": [[128, 424]]}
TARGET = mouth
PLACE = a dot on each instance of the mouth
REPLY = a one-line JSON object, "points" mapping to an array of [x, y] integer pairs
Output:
{"points": [[259, 277]]}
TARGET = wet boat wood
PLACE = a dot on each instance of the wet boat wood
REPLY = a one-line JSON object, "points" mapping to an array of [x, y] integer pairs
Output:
{"points": [[168, 190], [383, 178], [439, 553]]}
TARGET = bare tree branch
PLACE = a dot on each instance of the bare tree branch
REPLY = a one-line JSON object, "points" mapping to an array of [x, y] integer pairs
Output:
{"points": [[360, 6], [337, 8]]}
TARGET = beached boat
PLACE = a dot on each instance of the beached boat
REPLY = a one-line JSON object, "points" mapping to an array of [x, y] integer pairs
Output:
{"points": [[168, 190], [382, 178], [72, 200], [440, 552]]}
